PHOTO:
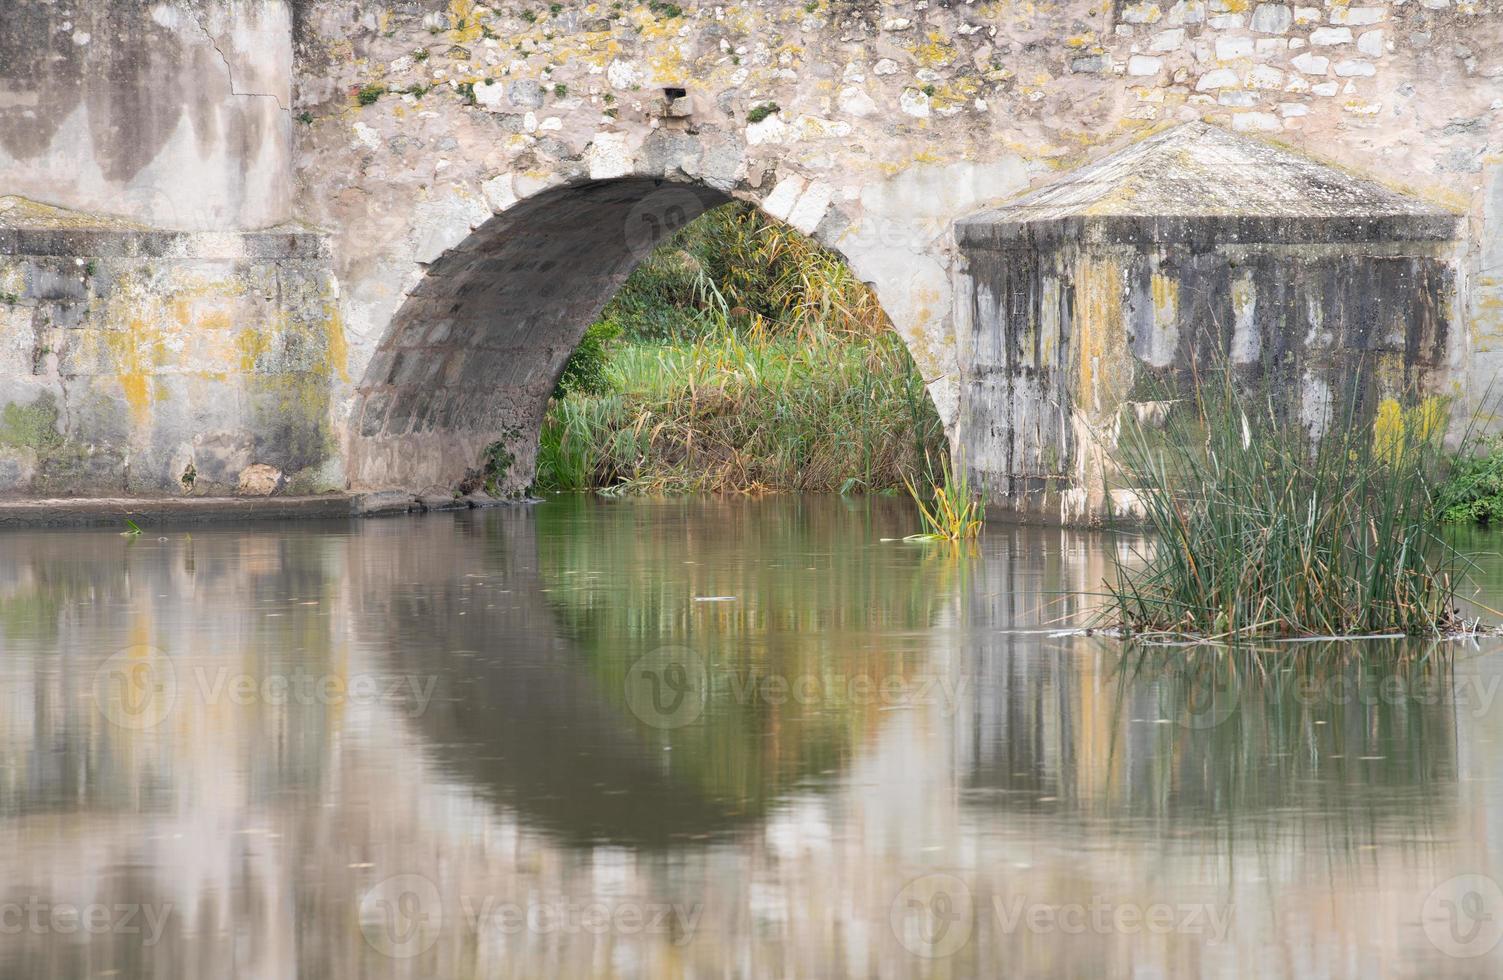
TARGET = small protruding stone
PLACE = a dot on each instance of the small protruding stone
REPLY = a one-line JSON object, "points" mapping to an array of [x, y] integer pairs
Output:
{"points": [[1218, 79], [260, 480], [1232, 48], [1357, 16], [1272, 18], [440, 501], [1331, 35], [1311, 64]]}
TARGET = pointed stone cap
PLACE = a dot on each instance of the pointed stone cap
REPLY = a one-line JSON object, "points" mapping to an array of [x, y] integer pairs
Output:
{"points": [[1197, 181], [21, 212]]}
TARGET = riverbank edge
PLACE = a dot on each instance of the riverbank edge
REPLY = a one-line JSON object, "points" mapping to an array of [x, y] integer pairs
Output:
{"points": [[20, 513]]}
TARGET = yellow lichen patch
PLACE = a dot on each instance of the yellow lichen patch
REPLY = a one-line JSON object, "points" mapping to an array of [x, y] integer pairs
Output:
{"points": [[134, 350], [934, 52], [1165, 298], [338, 352], [205, 319], [1396, 429], [668, 66], [1428, 419], [21, 212], [1101, 339], [252, 345], [148, 327], [463, 22], [1388, 431], [958, 92]]}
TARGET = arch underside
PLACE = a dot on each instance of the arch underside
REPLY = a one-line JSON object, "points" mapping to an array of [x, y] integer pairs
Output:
{"points": [[474, 353]]}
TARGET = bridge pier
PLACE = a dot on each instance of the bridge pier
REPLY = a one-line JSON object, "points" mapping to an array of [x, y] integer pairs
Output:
{"points": [[1102, 294]]}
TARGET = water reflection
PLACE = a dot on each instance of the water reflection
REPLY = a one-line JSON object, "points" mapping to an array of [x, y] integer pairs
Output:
{"points": [[726, 738]]}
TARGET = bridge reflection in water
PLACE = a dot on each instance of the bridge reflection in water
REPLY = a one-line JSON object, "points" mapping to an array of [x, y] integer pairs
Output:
{"points": [[260, 726]]}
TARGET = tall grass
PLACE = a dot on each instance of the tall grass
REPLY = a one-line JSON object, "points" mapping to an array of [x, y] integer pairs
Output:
{"points": [[1259, 530], [731, 413], [740, 356], [760, 274]]}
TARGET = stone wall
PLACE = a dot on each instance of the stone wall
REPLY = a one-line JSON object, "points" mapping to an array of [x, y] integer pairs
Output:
{"points": [[405, 128], [142, 362], [873, 125]]}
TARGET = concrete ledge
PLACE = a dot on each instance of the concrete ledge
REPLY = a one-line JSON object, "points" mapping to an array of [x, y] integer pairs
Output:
{"points": [[148, 511], [85, 512]]}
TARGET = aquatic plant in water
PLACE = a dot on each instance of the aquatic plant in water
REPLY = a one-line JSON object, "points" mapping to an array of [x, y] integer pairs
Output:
{"points": [[950, 509], [1259, 530]]}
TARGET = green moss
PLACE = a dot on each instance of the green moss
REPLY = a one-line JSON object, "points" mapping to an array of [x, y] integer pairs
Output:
{"points": [[761, 112], [496, 465], [370, 94], [33, 426]]}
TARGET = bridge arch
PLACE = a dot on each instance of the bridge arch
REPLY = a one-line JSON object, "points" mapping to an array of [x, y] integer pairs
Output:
{"points": [[474, 351]]}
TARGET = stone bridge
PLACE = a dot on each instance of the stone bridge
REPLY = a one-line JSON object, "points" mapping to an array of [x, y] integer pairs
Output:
{"points": [[309, 245]]}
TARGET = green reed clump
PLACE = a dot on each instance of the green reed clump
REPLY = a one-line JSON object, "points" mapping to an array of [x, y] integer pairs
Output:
{"points": [[1258, 530], [950, 509]]}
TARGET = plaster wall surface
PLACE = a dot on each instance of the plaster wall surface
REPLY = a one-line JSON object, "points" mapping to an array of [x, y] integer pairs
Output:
{"points": [[175, 113]]}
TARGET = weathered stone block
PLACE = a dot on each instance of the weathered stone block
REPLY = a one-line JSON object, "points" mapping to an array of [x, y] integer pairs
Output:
{"points": [[1194, 247], [157, 362]]}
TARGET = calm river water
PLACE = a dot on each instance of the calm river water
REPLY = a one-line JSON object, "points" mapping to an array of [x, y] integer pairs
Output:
{"points": [[708, 739]]}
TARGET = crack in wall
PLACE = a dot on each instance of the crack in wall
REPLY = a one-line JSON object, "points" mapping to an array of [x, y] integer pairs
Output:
{"points": [[229, 70]]}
